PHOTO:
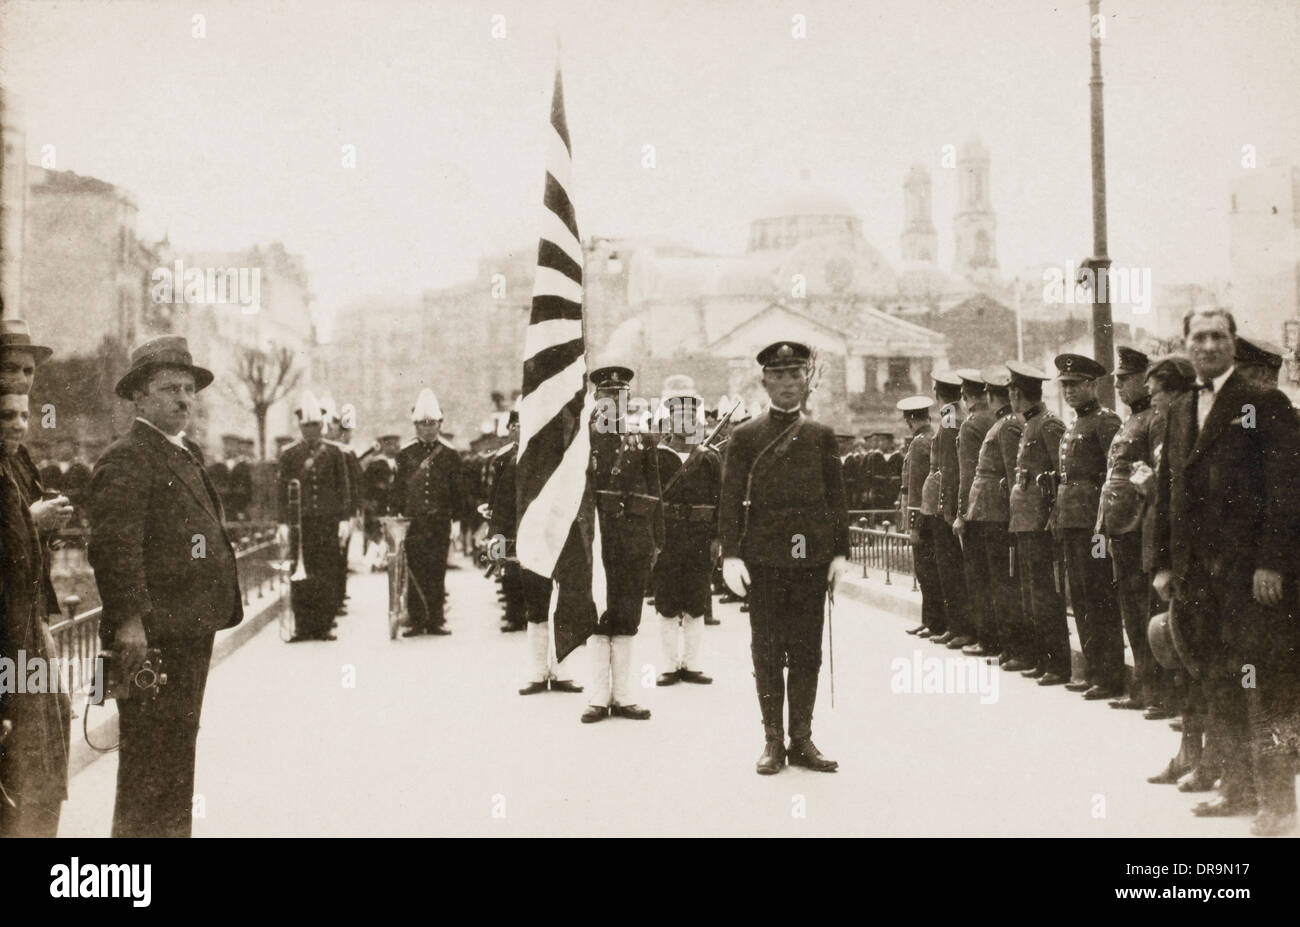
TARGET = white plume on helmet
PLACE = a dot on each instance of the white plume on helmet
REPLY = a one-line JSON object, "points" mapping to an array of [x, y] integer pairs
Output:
{"points": [[426, 407], [309, 409]]}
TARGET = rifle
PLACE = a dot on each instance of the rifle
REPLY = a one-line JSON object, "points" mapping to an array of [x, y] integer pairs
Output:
{"points": [[697, 449]]}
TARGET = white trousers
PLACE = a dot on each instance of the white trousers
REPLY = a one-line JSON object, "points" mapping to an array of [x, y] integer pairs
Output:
{"points": [[682, 639]]}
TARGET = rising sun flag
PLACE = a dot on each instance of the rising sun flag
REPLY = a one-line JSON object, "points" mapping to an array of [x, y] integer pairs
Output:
{"points": [[558, 534]]}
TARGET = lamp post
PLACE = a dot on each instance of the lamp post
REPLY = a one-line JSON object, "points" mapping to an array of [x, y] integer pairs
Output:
{"points": [[1103, 339]]}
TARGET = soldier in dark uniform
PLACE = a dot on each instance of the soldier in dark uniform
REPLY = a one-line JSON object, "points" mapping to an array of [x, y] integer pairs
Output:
{"points": [[939, 500], [319, 467], [785, 539], [1091, 575], [857, 481], [987, 511], [974, 537], [920, 527], [378, 474], [691, 475], [430, 491], [1124, 499], [887, 485], [1032, 493], [625, 474], [502, 525]]}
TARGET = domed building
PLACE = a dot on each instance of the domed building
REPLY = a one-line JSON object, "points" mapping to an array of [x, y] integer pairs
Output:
{"points": [[808, 273]]}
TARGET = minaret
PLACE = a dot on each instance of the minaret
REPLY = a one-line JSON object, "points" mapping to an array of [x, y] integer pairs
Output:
{"points": [[919, 241], [974, 227]]}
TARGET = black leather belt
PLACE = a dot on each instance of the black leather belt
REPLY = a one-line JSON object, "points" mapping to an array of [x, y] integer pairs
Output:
{"points": [[635, 504], [682, 511]]}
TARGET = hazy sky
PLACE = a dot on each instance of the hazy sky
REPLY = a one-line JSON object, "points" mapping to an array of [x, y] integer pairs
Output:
{"points": [[236, 138]]}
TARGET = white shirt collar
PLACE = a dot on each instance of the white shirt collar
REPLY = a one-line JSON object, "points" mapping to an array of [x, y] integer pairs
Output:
{"points": [[775, 408], [1222, 378], [178, 439]]}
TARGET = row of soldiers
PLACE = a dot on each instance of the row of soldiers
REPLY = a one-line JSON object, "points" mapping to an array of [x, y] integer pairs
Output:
{"points": [[873, 472], [1010, 511]]}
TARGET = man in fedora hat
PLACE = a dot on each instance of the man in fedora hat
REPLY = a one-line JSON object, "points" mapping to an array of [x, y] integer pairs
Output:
{"points": [[784, 525], [167, 579], [19, 358]]}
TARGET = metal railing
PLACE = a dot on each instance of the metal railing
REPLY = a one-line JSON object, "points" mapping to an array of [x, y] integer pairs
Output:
{"points": [[258, 562], [882, 549]]}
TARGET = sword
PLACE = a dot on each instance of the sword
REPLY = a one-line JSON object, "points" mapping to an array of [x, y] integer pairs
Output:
{"points": [[830, 628]]}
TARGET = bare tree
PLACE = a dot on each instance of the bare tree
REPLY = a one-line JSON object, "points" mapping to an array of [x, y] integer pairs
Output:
{"points": [[268, 376]]}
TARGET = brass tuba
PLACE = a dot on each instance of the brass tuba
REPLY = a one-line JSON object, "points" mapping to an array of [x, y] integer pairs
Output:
{"points": [[395, 527]]}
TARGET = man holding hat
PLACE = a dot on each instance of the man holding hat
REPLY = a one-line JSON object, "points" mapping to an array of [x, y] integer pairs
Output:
{"points": [[430, 490], [151, 508], [916, 467], [1124, 500], [321, 471], [629, 509], [939, 500], [974, 536], [1032, 494], [691, 474], [784, 525], [987, 514], [1091, 574]]}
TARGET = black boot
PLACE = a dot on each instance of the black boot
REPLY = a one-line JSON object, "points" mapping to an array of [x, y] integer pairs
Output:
{"points": [[773, 758], [805, 753]]}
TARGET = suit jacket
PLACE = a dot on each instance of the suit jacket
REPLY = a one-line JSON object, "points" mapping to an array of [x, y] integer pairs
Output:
{"points": [[1229, 496], [796, 489], [148, 502], [30, 487]]}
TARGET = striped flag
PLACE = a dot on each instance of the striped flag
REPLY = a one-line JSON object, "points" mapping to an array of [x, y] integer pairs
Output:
{"points": [[557, 531]]}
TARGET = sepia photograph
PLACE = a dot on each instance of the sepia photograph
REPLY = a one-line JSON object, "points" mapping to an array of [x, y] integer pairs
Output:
{"points": [[735, 418]]}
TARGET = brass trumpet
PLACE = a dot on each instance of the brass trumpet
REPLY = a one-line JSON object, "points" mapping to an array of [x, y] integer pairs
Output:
{"points": [[295, 506], [395, 528]]}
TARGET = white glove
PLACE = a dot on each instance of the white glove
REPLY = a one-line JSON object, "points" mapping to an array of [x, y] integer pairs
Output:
{"points": [[1142, 477], [343, 530], [839, 568], [282, 534], [735, 575]]}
